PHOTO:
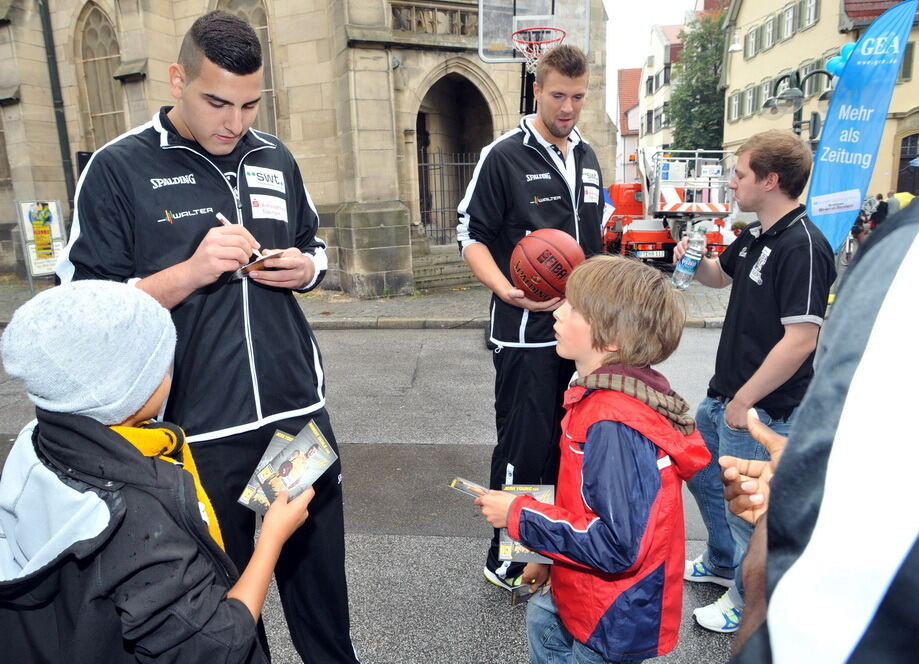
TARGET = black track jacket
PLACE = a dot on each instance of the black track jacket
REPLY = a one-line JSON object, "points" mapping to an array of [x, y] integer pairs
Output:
{"points": [[104, 556], [245, 354], [516, 188]]}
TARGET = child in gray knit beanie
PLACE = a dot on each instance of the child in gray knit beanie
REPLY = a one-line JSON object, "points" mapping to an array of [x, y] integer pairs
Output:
{"points": [[109, 545], [93, 348]]}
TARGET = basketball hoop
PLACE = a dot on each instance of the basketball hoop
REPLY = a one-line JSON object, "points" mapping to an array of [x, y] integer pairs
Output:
{"points": [[533, 42]]}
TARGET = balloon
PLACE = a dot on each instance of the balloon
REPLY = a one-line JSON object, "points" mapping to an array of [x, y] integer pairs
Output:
{"points": [[846, 50], [835, 65]]}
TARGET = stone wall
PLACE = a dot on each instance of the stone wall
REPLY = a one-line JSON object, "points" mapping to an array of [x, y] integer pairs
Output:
{"points": [[348, 90]]}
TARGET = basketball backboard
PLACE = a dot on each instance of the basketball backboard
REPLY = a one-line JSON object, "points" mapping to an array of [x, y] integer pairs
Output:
{"points": [[498, 19]]}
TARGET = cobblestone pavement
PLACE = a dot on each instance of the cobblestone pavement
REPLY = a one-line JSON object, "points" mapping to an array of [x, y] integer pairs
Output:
{"points": [[459, 307]]}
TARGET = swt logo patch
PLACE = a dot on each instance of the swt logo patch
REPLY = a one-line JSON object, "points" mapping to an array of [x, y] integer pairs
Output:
{"points": [[265, 178]]}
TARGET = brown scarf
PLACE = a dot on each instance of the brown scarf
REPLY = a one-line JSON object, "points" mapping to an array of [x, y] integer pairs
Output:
{"points": [[671, 405]]}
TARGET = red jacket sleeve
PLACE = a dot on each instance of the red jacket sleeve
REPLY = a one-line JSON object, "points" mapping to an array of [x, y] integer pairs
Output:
{"points": [[620, 481]]}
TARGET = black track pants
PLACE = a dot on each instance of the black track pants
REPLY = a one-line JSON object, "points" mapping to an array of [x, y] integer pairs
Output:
{"points": [[311, 570], [529, 386]]}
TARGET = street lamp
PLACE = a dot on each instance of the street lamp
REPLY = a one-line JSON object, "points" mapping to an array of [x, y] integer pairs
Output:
{"points": [[792, 99]]}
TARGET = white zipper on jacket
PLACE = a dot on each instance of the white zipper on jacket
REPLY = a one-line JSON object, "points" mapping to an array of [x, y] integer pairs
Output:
{"points": [[574, 203], [247, 329], [191, 529]]}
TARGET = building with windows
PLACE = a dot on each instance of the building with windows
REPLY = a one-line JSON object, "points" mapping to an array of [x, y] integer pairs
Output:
{"points": [[771, 39], [656, 87], [629, 116], [654, 94], [385, 105]]}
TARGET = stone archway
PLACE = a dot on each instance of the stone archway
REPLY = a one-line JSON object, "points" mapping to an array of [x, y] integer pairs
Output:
{"points": [[453, 124]]}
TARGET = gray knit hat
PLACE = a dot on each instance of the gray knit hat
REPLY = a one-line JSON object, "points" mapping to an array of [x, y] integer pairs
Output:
{"points": [[94, 348]]}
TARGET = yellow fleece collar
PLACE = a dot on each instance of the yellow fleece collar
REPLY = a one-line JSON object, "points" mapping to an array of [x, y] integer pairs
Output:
{"points": [[167, 443]]}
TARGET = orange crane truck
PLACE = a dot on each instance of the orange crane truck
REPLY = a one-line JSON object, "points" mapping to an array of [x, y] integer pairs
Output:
{"points": [[679, 191]]}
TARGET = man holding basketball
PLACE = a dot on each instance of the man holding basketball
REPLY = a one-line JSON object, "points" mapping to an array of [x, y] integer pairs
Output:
{"points": [[542, 174]]}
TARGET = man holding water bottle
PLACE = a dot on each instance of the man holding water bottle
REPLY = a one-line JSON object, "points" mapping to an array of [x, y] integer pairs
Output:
{"points": [[780, 269]]}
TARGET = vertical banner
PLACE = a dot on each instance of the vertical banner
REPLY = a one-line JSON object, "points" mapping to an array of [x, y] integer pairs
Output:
{"points": [[855, 121], [41, 227]]}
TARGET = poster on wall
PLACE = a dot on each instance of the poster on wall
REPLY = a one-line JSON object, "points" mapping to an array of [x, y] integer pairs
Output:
{"points": [[41, 226]]}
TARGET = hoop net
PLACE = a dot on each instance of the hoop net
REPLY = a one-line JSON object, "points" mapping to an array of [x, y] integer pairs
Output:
{"points": [[533, 42]]}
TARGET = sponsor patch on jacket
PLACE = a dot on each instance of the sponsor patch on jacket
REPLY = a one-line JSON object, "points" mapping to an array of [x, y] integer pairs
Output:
{"points": [[265, 178], [538, 176], [268, 207], [539, 200], [756, 274], [156, 183], [590, 176], [591, 194], [171, 217]]}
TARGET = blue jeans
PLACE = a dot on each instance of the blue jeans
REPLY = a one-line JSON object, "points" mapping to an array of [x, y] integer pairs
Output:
{"points": [[550, 642], [728, 535]]}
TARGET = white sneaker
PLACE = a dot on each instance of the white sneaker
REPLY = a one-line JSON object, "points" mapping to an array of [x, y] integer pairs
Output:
{"points": [[721, 616], [501, 582], [698, 572]]}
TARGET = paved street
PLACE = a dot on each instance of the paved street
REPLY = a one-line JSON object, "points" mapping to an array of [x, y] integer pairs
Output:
{"points": [[413, 408], [416, 409], [448, 308]]}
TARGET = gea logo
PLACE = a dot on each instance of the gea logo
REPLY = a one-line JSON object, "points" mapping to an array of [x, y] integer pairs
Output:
{"points": [[881, 46]]}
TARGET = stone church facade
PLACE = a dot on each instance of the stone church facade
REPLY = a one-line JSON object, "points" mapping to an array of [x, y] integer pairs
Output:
{"points": [[384, 103]]}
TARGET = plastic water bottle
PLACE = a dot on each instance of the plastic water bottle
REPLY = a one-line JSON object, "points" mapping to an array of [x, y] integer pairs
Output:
{"points": [[686, 268]]}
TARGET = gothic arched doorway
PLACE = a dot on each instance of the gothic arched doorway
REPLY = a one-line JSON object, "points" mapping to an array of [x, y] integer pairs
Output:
{"points": [[454, 123]]}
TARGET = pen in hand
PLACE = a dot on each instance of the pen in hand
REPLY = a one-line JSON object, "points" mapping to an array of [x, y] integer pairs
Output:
{"points": [[226, 222]]}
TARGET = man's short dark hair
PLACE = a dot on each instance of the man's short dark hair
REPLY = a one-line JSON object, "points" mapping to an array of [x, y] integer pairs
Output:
{"points": [[224, 39], [783, 153], [567, 60]]}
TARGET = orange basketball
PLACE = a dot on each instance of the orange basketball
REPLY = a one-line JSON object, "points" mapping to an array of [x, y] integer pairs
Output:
{"points": [[542, 261]]}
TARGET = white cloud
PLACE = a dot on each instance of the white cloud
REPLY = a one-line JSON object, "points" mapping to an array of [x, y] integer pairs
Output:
{"points": [[628, 33]]}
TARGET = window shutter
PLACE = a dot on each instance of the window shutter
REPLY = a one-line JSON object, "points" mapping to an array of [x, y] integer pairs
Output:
{"points": [[906, 67], [789, 27]]}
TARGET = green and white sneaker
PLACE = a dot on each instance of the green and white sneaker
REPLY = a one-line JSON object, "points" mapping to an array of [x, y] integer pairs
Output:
{"points": [[698, 572], [501, 582], [720, 616]]}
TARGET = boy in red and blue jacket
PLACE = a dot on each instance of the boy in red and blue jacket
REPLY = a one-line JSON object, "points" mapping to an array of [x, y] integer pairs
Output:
{"points": [[628, 442]]}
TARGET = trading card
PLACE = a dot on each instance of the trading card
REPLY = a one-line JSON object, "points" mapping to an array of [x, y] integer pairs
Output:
{"points": [[258, 263], [466, 486], [521, 594]]}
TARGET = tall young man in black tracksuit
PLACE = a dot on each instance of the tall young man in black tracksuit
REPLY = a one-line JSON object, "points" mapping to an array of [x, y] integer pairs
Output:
{"points": [[246, 360], [543, 174]]}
